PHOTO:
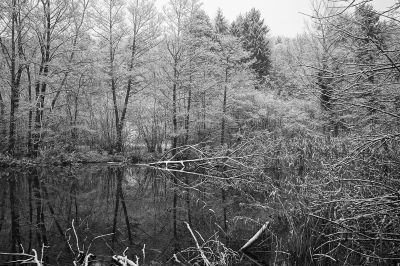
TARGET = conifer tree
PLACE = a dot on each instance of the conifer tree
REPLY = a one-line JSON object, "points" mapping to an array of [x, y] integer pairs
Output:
{"points": [[253, 34], [220, 23]]}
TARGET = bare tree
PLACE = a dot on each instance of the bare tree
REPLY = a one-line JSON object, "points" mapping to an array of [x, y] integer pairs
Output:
{"points": [[12, 50]]}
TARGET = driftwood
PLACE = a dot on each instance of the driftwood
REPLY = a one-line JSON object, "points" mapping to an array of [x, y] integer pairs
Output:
{"points": [[190, 158], [32, 259], [84, 258], [124, 261], [256, 236]]}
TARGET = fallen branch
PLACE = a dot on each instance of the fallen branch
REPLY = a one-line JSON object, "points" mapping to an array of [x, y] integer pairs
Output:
{"points": [[255, 237], [32, 259], [203, 256], [123, 260]]}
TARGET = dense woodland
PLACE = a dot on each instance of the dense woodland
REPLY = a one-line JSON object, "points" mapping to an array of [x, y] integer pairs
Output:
{"points": [[308, 127], [116, 74]]}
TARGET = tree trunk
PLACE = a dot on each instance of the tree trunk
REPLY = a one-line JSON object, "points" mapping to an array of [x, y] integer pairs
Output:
{"points": [[223, 192], [203, 107], [41, 232], [119, 145], [175, 214], [224, 215], [41, 86], [224, 108], [30, 211], [174, 218], [118, 128], [14, 208], [3, 204], [52, 212], [174, 114], [74, 130], [120, 175], [189, 214], [120, 125], [187, 118], [114, 239], [14, 89], [3, 129], [36, 138], [30, 114]]}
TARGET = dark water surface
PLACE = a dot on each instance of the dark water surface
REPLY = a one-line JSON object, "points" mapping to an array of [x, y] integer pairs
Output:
{"points": [[135, 207]]}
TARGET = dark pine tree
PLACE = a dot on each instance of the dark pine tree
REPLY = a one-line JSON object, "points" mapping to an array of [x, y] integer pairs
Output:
{"points": [[220, 23], [253, 34]]}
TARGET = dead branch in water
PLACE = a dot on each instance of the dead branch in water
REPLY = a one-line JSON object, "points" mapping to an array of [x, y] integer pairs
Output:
{"points": [[31, 258], [255, 237]]}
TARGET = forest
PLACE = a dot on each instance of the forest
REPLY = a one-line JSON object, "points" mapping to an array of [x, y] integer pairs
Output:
{"points": [[253, 149]]}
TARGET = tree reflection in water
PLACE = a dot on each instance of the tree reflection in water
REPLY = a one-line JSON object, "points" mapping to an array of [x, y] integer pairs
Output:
{"points": [[137, 205]]}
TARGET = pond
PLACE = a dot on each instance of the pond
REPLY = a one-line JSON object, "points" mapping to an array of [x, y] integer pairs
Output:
{"points": [[113, 207]]}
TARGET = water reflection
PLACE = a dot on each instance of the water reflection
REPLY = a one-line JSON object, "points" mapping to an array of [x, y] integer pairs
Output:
{"points": [[130, 206]]}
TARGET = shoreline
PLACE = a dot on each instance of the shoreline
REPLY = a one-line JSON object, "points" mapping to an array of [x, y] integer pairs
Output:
{"points": [[68, 159]]}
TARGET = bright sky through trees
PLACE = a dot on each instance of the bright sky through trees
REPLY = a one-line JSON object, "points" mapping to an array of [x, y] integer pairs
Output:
{"points": [[282, 16]]}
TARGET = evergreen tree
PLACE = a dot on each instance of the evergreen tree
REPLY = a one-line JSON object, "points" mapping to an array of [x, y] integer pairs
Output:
{"points": [[369, 35], [253, 34], [220, 23], [368, 44]]}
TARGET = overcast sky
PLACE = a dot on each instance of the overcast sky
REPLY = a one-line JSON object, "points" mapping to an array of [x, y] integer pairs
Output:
{"points": [[282, 16]]}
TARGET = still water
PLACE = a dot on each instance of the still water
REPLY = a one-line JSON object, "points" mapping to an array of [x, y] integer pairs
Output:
{"points": [[112, 207]]}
